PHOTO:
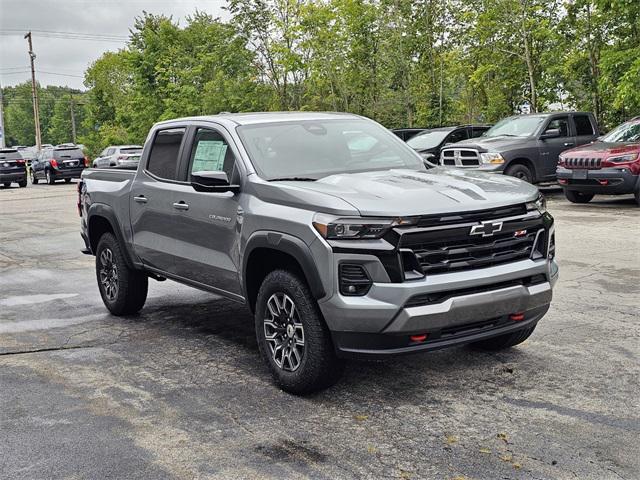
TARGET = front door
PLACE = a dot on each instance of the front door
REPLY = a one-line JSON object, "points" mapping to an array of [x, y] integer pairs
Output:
{"points": [[550, 148], [209, 223]]}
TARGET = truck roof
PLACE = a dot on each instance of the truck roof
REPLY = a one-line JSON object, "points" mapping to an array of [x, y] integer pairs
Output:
{"points": [[251, 118]]}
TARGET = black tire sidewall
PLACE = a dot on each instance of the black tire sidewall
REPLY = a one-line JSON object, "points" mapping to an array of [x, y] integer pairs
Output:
{"points": [[514, 169]]}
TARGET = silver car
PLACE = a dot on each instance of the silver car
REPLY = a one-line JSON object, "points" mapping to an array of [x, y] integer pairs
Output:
{"points": [[119, 156]]}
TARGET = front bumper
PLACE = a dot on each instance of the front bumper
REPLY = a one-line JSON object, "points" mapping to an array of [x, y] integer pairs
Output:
{"points": [[469, 306], [618, 180], [13, 177]]}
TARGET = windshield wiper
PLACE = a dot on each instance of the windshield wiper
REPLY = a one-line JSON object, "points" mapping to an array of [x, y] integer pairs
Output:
{"points": [[293, 179]]}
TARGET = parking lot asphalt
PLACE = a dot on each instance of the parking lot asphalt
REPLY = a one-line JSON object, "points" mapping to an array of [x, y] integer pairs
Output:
{"points": [[180, 391]]}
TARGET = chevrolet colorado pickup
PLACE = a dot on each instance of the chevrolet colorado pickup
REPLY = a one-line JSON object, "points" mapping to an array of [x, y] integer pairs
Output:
{"points": [[609, 166], [523, 146], [340, 247]]}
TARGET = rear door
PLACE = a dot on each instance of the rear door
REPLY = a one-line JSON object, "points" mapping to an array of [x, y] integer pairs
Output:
{"points": [[209, 223], [584, 129], [151, 201], [550, 148]]}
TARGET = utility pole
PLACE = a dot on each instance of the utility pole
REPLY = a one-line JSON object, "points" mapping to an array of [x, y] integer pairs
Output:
{"points": [[73, 121], [34, 92], [2, 142]]}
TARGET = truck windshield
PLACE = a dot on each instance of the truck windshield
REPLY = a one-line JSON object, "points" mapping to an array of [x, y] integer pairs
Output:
{"points": [[627, 132], [516, 126], [427, 139], [312, 149]]}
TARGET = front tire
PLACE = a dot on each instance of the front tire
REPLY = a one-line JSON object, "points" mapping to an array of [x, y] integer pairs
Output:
{"points": [[520, 171], [293, 338], [505, 341], [578, 197], [123, 290]]}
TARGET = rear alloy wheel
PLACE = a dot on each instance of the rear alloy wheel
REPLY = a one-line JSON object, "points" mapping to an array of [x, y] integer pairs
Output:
{"points": [[578, 197], [34, 179], [49, 177], [520, 171], [293, 338], [123, 290]]}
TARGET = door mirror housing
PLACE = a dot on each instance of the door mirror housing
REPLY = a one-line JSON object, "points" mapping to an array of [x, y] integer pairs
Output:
{"points": [[212, 182], [551, 133]]}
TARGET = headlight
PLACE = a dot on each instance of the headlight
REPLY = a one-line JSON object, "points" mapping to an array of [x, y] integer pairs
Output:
{"points": [[630, 157], [492, 158], [540, 204], [355, 228]]}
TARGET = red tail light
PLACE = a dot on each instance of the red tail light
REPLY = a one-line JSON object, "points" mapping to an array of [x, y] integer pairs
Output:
{"points": [[86, 161], [20, 162], [53, 162]]}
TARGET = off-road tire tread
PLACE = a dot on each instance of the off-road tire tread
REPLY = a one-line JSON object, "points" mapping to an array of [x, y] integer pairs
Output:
{"points": [[320, 367], [132, 284]]}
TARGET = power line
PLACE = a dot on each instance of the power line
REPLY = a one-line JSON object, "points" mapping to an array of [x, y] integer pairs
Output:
{"points": [[68, 35]]}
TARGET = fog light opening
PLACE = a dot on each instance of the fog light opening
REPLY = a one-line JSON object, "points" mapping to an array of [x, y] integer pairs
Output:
{"points": [[418, 338], [516, 317], [562, 181], [604, 182]]}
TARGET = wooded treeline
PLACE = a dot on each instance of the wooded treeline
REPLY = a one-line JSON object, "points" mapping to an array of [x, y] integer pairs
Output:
{"points": [[401, 62]]}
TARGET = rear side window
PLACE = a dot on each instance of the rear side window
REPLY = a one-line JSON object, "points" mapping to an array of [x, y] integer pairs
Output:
{"points": [[163, 159], [583, 125]]}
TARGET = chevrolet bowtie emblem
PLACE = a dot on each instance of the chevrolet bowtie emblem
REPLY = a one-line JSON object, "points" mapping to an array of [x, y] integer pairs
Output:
{"points": [[486, 229]]}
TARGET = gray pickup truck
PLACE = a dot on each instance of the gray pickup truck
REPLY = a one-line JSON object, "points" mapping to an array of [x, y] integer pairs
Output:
{"points": [[331, 230], [523, 146]]}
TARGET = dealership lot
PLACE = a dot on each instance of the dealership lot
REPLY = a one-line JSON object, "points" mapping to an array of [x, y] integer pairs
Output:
{"points": [[180, 391]]}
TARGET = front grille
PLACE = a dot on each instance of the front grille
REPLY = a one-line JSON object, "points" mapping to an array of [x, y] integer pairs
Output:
{"points": [[441, 250], [583, 162], [460, 157]]}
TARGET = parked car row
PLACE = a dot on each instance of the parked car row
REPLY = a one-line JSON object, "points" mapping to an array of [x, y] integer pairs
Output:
{"points": [[543, 147], [122, 156]]}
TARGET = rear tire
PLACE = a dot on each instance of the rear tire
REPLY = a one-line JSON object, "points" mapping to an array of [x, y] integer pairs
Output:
{"points": [[50, 179], [6, 184], [578, 197], [299, 353], [67, 180], [637, 195], [520, 171], [34, 179], [123, 290], [505, 341], [23, 183]]}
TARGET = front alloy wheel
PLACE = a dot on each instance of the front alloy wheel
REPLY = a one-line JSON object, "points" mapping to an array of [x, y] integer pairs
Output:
{"points": [[283, 332], [108, 274]]}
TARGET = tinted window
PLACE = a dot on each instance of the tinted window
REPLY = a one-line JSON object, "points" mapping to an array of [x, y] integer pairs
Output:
{"points": [[163, 160], [561, 124], [457, 136], [477, 132], [211, 152], [67, 153], [428, 139], [583, 125], [130, 150]]}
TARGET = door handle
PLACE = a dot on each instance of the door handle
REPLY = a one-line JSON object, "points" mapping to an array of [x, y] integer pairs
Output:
{"points": [[569, 144], [181, 205], [141, 199]]}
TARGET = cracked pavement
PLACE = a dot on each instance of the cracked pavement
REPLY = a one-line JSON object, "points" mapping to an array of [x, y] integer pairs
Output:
{"points": [[180, 392]]}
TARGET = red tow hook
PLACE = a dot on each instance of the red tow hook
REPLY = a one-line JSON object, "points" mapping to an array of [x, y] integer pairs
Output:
{"points": [[516, 317], [418, 338]]}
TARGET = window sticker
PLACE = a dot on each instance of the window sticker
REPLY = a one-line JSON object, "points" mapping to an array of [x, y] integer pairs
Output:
{"points": [[209, 156]]}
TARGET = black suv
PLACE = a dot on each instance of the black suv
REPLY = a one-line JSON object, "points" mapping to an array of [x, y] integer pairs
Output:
{"points": [[58, 163], [428, 143], [13, 167]]}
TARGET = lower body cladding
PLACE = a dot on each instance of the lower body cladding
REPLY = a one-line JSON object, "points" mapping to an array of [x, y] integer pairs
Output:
{"points": [[605, 181], [440, 310], [61, 173]]}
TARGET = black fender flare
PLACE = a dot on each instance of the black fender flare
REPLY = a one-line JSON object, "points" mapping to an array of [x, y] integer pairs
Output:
{"points": [[290, 245], [106, 211]]}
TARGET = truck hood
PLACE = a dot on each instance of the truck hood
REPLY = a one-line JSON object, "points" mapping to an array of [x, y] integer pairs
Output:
{"points": [[392, 193], [603, 149], [490, 144]]}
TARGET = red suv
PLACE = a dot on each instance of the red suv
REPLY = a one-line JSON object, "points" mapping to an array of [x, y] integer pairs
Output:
{"points": [[608, 166]]}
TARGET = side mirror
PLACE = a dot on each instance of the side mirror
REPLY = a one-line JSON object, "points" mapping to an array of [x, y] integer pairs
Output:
{"points": [[551, 133], [212, 182]]}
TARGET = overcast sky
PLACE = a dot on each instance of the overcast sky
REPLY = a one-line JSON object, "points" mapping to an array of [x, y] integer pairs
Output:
{"points": [[62, 61]]}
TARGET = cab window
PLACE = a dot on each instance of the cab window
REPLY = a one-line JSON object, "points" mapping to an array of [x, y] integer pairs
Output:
{"points": [[561, 124], [163, 159]]}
